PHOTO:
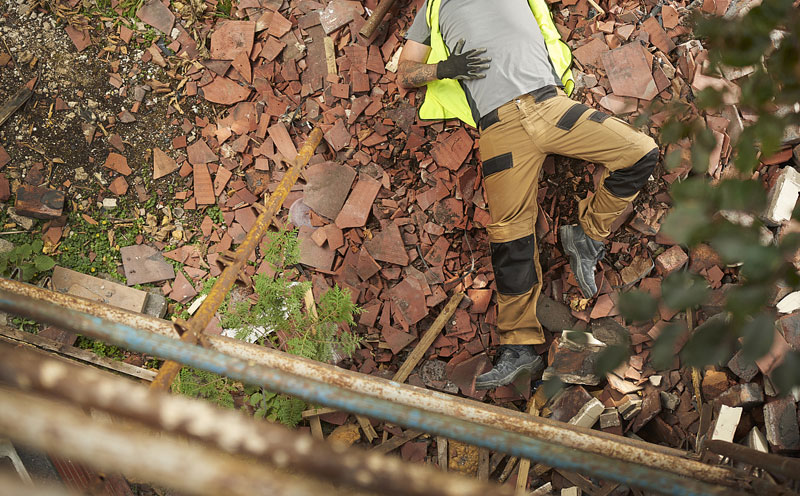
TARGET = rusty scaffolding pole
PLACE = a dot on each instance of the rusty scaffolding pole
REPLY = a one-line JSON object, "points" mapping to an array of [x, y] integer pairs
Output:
{"points": [[620, 448], [229, 430], [490, 436]]}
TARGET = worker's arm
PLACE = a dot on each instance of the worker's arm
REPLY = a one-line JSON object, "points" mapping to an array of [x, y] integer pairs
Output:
{"points": [[412, 70]]}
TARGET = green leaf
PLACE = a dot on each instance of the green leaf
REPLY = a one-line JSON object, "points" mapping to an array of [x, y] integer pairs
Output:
{"points": [[757, 336], [27, 271], [610, 358], [665, 347], [637, 306], [735, 194], [685, 223], [260, 413], [36, 246], [43, 262], [552, 386], [23, 251], [787, 375], [255, 399], [682, 290], [746, 300], [710, 343]]}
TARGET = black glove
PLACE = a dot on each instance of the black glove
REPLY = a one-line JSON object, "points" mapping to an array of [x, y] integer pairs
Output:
{"points": [[467, 65]]}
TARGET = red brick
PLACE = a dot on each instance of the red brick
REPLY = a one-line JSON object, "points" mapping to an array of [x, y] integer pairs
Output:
{"points": [[40, 203]]}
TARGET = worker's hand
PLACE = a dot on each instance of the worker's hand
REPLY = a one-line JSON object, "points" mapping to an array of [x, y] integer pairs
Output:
{"points": [[467, 65]]}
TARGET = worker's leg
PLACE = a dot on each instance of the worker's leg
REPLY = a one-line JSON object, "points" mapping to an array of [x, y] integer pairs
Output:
{"points": [[575, 130], [511, 165], [566, 127]]}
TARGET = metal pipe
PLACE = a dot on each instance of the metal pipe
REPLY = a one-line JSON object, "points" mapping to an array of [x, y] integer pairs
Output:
{"points": [[231, 430], [775, 464], [588, 440], [159, 458], [315, 391], [199, 321]]}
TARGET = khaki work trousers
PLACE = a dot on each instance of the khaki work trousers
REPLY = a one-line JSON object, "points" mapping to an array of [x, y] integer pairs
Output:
{"points": [[512, 151]]}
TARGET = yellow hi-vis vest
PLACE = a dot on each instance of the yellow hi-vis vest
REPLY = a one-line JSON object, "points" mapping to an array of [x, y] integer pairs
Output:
{"points": [[445, 98]]}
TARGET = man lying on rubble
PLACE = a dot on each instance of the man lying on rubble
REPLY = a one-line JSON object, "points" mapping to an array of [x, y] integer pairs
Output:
{"points": [[501, 66]]}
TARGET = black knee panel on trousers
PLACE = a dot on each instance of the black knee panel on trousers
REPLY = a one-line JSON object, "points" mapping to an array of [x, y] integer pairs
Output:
{"points": [[514, 266], [626, 182]]}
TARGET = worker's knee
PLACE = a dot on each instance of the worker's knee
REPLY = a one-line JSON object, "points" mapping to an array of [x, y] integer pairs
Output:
{"points": [[626, 182], [514, 265]]}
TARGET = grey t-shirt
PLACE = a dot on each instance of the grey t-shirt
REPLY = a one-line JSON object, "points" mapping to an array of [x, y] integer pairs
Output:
{"points": [[511, 36]]}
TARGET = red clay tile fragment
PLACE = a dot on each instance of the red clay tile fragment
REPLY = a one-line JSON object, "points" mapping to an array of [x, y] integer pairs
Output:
{"points": [[182, 289], [283, 142], [589, 54], [200, 153], [232, 37], [279, 26], [356, 209], [4, 158], [221, 180], [658, 36], [409, 299], [224, 91], [163, 164], [118, 163], [242, 65], [203, 188], [629, 72], [338, 136], [40, 203], [339, 13], [396, 339], [452, 152], [118, 186], [5, 188], [157, 15], [327, 185], [669, 16], [144, 264], [311, 254], [387, 245], [80, 38]]}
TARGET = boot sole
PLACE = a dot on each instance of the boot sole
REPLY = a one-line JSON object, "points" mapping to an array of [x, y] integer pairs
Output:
{"points": [[509, 378], [568, 243]]}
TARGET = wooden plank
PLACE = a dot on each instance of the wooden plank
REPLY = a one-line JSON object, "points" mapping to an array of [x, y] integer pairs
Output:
{"points": [[582, 482], [16, 336], [396, 441], [100, 290], [316, 428], [318, 411], [427, 339], [525, 464], [330, 55], [441, 451], [483, 464], [14, 103]]}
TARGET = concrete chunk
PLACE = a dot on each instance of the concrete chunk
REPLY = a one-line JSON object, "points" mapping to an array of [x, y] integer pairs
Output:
{"points": [[726, 424], [609, 418], [588, 414], [782, 197]]}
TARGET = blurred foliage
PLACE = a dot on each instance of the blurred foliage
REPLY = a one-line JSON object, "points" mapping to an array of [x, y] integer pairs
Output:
{"points": [[767, 38]]}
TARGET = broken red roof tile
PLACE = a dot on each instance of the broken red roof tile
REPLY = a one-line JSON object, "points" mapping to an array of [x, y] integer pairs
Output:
{"points": [[283, 142], [396, 339], [408, 299], [356, 209], [366, 266], [223, 90], [80, 38], [311, 254], [658, 37], [452, 152], [629, 71], [242, 65], [278, 26], [118, 186], [203, 187], [230, 38], [327, 186], [4, 158], [338, 136], [144, 264], [163, 164], [157, 15], [387, 245], [118, 163], [589, 54], [221, 180], [200, 153], [182, 289], [669, 16]]}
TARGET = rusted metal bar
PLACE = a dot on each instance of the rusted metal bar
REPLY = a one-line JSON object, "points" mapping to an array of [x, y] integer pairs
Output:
{"points": [[191, 330], [159, 458], [775, 464], [231, 430], [548, 430], [315, 391], [375, 19]]}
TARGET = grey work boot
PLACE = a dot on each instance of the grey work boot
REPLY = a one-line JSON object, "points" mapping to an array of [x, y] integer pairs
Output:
{"points": [[584, 253], [513, 360]]}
